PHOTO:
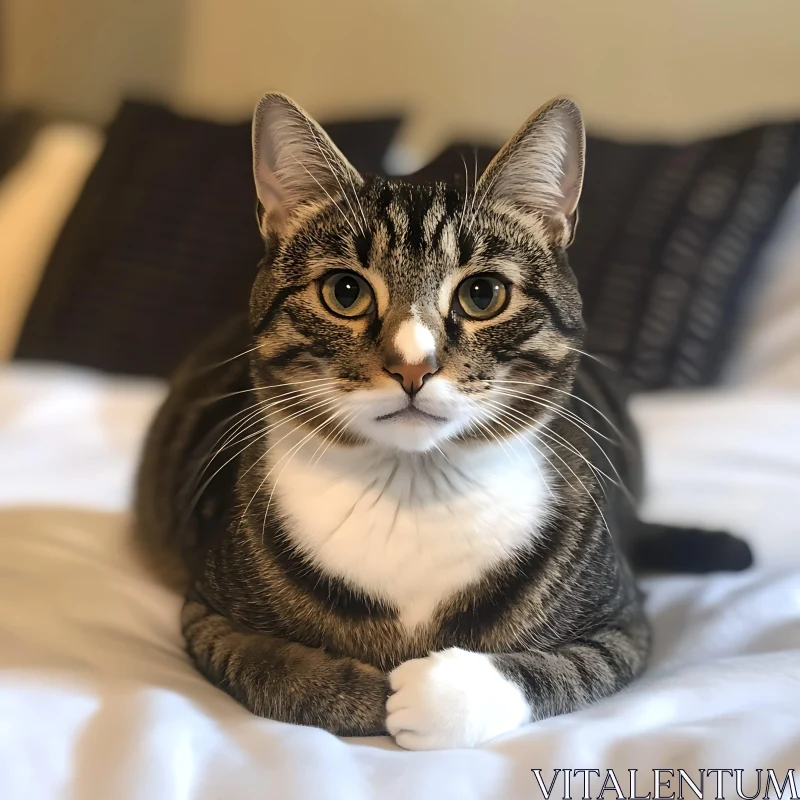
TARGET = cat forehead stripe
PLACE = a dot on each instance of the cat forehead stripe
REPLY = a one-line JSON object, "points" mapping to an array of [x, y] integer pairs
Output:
{"points": [[414, 342]]}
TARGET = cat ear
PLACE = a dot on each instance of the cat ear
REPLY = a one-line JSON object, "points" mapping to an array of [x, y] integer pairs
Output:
{"points": [[540, 169], [295, 163]]}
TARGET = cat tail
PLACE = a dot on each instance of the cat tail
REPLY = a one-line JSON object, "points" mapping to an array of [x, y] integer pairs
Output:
{"points": [[664, 548]]}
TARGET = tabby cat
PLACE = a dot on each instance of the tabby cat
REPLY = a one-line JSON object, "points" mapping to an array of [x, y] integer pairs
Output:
{"points": [[389, 491]]}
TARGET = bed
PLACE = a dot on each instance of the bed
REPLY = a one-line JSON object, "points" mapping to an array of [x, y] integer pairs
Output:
{"points": [[98, 700]]}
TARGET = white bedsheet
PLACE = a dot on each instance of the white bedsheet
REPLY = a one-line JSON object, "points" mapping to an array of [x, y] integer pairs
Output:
{"points": [[97, 701]]}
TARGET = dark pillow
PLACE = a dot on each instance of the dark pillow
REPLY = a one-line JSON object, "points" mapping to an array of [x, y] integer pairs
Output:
{"points": [[159, 250], [667, 243], [162, 244], [17, 130]]}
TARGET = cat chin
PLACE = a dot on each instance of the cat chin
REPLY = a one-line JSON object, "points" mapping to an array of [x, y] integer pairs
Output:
{"points": [[410, 436]]}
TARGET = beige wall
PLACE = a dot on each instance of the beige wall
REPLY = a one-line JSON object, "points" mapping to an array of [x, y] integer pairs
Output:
{"points": [[637, 67]]}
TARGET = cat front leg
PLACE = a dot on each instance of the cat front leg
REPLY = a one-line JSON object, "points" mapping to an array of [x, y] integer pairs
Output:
{"points": [[458, 698], [283, 680]]}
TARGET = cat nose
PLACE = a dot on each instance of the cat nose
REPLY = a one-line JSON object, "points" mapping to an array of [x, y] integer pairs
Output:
{"points": [[412, 376]]}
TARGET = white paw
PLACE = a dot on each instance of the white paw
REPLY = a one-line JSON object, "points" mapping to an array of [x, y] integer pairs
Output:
{"points": [[453, 698]]}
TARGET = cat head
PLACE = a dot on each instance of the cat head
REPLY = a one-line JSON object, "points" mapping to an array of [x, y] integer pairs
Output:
{"points": [[412, 315]]}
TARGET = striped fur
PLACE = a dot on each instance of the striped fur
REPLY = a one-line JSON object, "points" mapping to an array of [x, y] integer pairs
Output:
{"points": [[446, 574]]}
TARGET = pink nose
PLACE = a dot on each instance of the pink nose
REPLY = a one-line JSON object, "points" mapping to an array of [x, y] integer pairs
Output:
{"points": [[412, 376]]}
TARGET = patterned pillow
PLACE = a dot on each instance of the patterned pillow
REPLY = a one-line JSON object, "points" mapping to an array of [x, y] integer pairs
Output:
{"points": [[668, 241], [162, 244], [157, 252]]}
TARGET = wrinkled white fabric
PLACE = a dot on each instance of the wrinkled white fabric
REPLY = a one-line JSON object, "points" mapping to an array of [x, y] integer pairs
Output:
{"points": [[98, 702]]}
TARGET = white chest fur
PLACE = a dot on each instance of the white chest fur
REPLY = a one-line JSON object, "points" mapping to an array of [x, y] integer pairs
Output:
{"points": [[409, 528]]}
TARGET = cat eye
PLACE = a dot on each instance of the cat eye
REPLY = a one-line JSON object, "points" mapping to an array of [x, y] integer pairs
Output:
{"points": [[347, 294], [482, 296]]}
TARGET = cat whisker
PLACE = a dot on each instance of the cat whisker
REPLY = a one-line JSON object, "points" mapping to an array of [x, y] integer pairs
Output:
{"points": [[258, 438], [619, 482], [273, 400], [441, 452], [542, 429], [484, 428], [616, 430], [581, 425], [264, 455], [572, 420], [216, 397], [291, 454], [324, 404], [567, 413], [515, 418], [298, 399], [207, 367], [560, 440], [542, 426], [516, 434], [233, 431], [225, 426], [563, 412], [274, 426], [481, 428], [333, 438], [583, 485], [242, 439], [602, 361]]}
